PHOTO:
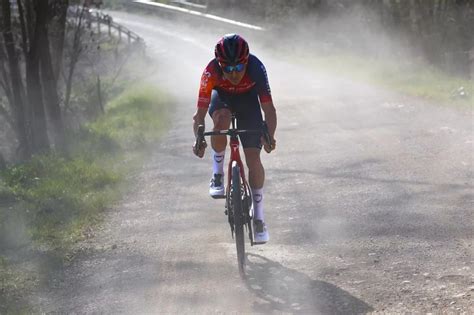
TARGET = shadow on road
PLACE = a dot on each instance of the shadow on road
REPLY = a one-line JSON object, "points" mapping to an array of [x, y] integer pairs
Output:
{"points": [[288, 290]]}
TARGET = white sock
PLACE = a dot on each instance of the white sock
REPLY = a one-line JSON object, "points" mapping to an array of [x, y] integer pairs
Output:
{"points": [[218, 162], [257, 195]]}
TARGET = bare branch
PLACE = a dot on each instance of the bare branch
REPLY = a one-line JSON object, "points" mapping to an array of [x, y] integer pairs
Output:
{"points": [[127, 57], [76, 51]]}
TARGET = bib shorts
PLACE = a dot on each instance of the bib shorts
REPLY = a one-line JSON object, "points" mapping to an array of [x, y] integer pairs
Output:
{"points": [[246, 106]]}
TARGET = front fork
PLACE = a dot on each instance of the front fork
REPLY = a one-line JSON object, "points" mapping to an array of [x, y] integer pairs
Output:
{"points": [[246, 192], [246, 205]]}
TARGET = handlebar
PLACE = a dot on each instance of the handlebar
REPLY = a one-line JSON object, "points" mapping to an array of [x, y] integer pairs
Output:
{"points": [[229, 132]]}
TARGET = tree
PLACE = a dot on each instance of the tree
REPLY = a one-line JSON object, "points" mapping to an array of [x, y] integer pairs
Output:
{"points": [[48, 77], [31, 102], [35, 24], [76, 51], [57, 33], [14, 86]]}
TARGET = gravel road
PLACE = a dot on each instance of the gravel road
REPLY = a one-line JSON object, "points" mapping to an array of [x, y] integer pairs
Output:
{"points": [[369, 202]]}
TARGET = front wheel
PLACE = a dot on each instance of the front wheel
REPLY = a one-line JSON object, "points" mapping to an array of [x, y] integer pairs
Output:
{"points": [[239, 219]]}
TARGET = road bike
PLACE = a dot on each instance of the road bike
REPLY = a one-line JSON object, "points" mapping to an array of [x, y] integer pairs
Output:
{"points": [[238, 204]]}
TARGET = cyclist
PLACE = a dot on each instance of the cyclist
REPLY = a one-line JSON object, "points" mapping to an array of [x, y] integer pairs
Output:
{"points": [[236, 81]]}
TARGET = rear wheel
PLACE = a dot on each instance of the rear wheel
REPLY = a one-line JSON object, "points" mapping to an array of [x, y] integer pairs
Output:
{"points": [[239, 219]]}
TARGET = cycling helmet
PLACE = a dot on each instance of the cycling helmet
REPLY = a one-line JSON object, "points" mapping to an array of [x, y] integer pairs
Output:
{"points": [[232, 49]]}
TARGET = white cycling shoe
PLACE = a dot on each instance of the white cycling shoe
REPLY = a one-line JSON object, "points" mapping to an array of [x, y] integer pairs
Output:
{"points": [[216, 187], [260, 232]]}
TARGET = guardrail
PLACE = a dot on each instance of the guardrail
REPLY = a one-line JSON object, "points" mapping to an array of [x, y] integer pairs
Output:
{"points": [[106, 21], [101, 19]]}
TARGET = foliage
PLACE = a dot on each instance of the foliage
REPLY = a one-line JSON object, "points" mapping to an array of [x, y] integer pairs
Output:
{"points": [[130, 119], [55, 191], [115, 71], [13, 283], [64, 46], [61, 197], [416, 80], [51, 198], [5, 192]]}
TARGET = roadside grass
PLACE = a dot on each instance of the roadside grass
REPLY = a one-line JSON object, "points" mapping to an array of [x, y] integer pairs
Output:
{"points": [[402, 76], [132, 119], [13, 286], [5, 192], [60, 198]]}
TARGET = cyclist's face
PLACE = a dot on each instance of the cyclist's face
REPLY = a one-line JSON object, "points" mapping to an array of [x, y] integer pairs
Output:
{"points": [[235, 77]]}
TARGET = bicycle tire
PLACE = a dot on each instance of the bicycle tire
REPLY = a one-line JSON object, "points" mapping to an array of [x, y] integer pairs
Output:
{"points": [[239, 220]]}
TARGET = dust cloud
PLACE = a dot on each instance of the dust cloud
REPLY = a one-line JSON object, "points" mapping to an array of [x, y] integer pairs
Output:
{"points": [[334, 172], [347, 164]]}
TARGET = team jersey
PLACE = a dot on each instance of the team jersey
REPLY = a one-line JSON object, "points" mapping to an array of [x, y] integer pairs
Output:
{"points": [[255, 78]]}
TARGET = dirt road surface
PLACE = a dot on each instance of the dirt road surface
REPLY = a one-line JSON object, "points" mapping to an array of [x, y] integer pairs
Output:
{"points": [[368, 201]]}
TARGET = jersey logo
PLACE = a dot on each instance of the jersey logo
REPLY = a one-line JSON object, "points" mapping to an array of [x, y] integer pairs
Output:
{"points": [[205, 80]]}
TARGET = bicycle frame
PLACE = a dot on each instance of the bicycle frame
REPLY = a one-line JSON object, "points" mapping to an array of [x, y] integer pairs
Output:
{"points": [[240, 216], [235, 157], [234, 145]]}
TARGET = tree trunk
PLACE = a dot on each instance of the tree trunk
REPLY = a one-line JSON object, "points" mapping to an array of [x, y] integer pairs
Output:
{"points": [[49, 82], [58, 33], [24, 32], [33, 83], [5, 80], [18, 106]]}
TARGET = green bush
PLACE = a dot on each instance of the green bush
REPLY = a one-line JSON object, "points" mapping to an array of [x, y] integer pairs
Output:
{"points": [[91, 144], [55, 191], [6, 194], [134, 118], [60, 197]]}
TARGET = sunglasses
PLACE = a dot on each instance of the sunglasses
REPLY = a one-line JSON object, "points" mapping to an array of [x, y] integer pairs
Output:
{"points": [[238, 68]]}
